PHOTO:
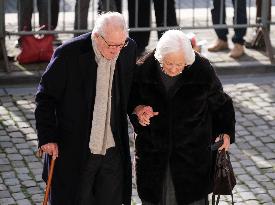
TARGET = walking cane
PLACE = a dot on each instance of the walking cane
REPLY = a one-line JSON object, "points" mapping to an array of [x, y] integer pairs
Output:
{"points": [[48, 187], [50, 175]]}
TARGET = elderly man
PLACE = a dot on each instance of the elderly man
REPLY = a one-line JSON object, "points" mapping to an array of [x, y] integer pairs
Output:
{"points": [[81, 115]]}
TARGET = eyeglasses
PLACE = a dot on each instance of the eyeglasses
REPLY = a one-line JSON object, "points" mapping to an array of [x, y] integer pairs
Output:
{"points": [[115, 46]]}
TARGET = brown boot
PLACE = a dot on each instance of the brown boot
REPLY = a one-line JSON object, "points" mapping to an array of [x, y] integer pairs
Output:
{"points": [[237, 51], [219, 45]]}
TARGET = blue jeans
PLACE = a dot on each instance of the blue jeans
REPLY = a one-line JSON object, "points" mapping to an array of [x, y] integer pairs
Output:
{"points": [[241, 18]]}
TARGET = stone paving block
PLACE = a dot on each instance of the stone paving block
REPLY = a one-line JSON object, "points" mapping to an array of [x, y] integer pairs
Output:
{"points": [[3, 187], [247, 195], [271, 175], [4, 138], [7, 123], [4, 168], [14, 157], [27, 130], [269, 155], [253, 170], [18, 164], [23, 124], [24, 177], [16, 135], [26, 152], [244, 177], [22, 170], [252, 184], [22, 146], [30, 159], [6, 144], [23, 202], [5, 194], [261, 178], [259, 190], [4, 161], [8, 175], [252, 202], [15, 188], [264, 198], [34, 190], [37, 171], [12, 182], [272, 193], [241, 188], [267, 139], [263, 164], [18, 140], [28, 183], [10, 150], [35, 165], [268, 185], [37, 197], [31, 136], [12, 128], [7, 201]]}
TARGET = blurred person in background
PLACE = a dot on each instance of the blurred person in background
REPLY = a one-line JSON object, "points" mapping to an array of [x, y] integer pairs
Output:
{"points": [[238, 38], [143, 15], [82, 11], [25, 8]]}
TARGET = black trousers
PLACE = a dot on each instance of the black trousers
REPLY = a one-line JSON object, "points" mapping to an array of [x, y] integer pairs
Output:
{"points": [[101, 180], [168, 193], [240, 17], [143, 18], [25, 8]]}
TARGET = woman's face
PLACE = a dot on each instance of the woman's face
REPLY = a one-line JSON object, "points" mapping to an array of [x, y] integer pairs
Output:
{"points": [[173, 63]]}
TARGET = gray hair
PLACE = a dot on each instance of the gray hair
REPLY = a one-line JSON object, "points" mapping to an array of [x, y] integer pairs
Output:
{"points": [[109, 20], [175, 41]]}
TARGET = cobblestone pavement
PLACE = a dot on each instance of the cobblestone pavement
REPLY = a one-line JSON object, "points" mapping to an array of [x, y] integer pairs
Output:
{"points": [[253, 155]]}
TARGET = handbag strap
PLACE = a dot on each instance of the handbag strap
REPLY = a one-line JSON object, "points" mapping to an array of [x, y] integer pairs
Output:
{"points": [[218, 199]]}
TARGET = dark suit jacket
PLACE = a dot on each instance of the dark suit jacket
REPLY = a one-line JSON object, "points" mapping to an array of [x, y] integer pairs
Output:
{"points": [[65, 101]]}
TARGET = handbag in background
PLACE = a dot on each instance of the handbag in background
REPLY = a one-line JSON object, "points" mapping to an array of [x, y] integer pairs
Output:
{"points": [[35, 49], [224, 178]]}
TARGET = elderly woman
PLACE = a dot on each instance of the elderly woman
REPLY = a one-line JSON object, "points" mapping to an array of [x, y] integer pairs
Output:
{"points": [[178, 106]]}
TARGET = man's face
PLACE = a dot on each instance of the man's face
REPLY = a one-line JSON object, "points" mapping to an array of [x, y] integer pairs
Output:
{"points": [[110, 44]]}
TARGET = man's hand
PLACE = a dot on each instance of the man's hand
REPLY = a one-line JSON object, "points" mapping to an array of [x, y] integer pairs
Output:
{"points": [[144, 113], [51, 149]]}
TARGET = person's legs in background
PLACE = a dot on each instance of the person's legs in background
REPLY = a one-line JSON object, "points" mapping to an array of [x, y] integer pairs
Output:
{"points": [[217, 11], [143, 20], [81, 14], [241, 18], [109, 5], [25, 9], [43, 9], [170, 18]]}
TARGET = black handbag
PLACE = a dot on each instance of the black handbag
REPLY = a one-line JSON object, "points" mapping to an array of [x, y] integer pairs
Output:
{"points": [[224, 178]]}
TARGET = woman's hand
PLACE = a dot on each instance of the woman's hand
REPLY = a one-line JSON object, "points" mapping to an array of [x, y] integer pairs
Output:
{"points": [[226, 142], [144, 113], [51, 149]]}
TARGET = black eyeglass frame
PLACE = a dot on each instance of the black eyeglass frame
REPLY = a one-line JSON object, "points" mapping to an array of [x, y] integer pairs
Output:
{"points": [[115, 46]]}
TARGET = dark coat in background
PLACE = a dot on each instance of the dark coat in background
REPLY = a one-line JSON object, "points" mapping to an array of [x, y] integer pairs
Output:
{"points": [[65, 101], [182, 132]]}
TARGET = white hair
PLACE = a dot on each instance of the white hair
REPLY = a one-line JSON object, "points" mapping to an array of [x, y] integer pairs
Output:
{"points": [[110, 20], [175, 41]]}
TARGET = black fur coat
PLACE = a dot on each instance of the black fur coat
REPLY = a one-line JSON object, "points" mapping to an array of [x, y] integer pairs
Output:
{"points": [[182, 132]]}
